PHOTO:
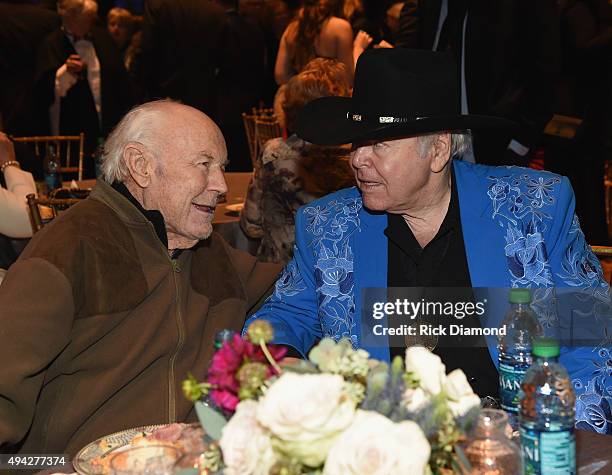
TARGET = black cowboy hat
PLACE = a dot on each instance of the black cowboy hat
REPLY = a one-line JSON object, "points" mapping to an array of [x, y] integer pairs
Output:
{"points": [[398, 92]]}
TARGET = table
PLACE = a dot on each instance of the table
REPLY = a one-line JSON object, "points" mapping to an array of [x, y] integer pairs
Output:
{"points": [[226, 222], [594, 455]]}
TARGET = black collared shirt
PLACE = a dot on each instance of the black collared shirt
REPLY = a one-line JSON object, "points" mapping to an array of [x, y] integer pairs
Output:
{"points": [[441, 263], [154, 217]]}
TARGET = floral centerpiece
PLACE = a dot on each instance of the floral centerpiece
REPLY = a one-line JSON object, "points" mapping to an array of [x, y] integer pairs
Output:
{"points": [[340, 412]]}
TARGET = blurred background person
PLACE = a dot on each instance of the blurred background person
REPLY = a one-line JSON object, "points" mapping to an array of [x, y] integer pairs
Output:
{"points": [[241, 82], [275, 16], [82, 84], [374, 21], [583, 91], [291, 172], [182, 47], [352, 11], [14, 218], [22, 28], [318, 31], [120, 26], [126, 31]]}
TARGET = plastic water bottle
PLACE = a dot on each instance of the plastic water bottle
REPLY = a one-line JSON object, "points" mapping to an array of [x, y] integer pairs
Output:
{"points": [[52, 169], [515, 351], [547, 414]]}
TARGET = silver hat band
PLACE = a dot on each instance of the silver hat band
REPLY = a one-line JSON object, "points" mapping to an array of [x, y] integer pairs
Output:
{"points": [[381, 119]]}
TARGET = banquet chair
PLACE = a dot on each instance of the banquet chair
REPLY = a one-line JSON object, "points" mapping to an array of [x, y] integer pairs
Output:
{"points": [[68, 148], [266, 129], [249, 127], [263, 112], [43, 210]]}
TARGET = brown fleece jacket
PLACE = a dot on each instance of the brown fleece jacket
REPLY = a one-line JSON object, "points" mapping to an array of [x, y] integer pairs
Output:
{"points": [[99, 326]]}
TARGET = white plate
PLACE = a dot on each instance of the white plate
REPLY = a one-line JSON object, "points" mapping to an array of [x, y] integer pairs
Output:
{"points": [[106, 447], [235, 208]]}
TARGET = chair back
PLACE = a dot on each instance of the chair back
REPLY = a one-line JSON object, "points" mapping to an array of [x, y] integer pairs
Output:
{"points": [[68, 149], [257, 137], [266, 129], [43, 210], [249, 128]]}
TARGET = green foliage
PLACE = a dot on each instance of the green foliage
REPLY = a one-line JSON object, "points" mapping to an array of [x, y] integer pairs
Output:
{"points": [[194, 390], [211, 420]]}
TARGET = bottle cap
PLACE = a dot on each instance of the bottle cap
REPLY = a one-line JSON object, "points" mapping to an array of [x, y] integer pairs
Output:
{"points": [[520, 296], [545, 347]]}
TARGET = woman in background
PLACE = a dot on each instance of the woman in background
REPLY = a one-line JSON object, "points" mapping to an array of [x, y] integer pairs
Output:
{"points": [[318, 31], [14, 217], [291, 172]]}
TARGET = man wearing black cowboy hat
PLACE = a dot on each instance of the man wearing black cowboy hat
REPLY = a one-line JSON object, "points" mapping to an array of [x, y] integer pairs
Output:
{"points": [[421, 217]]}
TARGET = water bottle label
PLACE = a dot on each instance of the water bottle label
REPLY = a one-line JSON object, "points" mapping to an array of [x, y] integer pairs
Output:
{"points": [[52, 181], [510, 379], [548, 453]]}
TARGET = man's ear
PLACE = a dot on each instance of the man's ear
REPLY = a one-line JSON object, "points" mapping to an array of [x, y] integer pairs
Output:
{"points": [[139, 163], [441, 148]]}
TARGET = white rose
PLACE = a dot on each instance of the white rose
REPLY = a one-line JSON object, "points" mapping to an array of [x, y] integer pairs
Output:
{"points": [[375, 445], [463, 405], [457, 385], [306, 413], [246, 446], [427, 367], [415, 399], [461, 397]]}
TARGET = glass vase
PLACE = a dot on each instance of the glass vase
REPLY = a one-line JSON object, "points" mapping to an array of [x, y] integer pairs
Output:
{"points": [[488, 447]]}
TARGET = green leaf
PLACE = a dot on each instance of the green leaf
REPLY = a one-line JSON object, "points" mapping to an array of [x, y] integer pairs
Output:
{"points": [[212, 421]]}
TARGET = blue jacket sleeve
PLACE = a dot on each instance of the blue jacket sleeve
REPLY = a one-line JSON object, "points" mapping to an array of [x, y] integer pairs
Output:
{"points": [[292, 308], [583, 305]]}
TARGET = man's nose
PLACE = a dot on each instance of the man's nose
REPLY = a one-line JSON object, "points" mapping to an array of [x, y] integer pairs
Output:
{"points": [[216, 181], [360, 157]]}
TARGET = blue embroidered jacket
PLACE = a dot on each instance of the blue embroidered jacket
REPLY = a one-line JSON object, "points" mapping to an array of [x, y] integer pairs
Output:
{"points": [[520, 230]]}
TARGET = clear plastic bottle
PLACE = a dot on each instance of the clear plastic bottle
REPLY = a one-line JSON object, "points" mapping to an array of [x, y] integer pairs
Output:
{"points": [[547, 414], [52, 169], [515, 351]]}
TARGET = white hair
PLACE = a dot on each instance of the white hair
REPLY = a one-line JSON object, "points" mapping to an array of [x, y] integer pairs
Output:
{"points": [[139, 125], [461, 143], [69, 8]]}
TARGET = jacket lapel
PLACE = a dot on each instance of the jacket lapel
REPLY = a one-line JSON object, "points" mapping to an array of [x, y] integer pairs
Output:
{"points": [[371, 272], [484, 241]]}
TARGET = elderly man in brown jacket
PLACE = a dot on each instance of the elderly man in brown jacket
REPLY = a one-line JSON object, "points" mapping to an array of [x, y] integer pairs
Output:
{"points": [[113, 303]]}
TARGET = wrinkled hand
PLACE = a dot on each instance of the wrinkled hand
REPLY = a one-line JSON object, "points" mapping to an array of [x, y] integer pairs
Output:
{"points": [[383, 44], [7, 151], [362, 40], [75, 64]]}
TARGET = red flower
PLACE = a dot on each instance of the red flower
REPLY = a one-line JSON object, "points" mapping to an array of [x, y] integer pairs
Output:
{"points": [[226, 400], [226, 363]]}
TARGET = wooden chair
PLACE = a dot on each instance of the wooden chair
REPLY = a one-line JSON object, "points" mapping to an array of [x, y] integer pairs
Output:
{"points": [[266, 129], [52, 207], [263, 112], [249, 128], [69, 150]]}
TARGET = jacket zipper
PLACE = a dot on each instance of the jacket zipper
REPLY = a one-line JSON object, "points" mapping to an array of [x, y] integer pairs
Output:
{"points": [[176, 269], [179, 322]]}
